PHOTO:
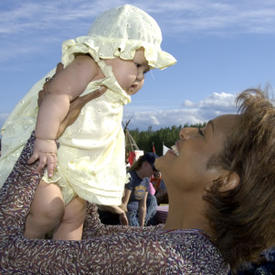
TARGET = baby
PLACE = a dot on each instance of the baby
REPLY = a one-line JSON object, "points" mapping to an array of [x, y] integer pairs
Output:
{"points": [[121, 46]]}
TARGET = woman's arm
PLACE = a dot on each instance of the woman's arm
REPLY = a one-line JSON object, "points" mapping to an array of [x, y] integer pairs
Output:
{"points": [[142, 210], [67, 85]]}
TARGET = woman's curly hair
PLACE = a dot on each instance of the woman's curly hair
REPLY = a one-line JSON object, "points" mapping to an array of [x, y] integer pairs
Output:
{"points": [[243, 219]]}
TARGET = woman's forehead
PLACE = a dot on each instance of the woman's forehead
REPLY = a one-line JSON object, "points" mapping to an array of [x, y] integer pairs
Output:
{"points": [[224, 123]]}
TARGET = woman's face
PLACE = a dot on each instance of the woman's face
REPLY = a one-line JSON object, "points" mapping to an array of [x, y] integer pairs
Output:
{"points": [[185, 166]]}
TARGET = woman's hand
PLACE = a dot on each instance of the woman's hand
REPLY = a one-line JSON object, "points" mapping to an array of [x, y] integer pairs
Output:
{"points": [[75, 108], [44, 91], [45, 150]]}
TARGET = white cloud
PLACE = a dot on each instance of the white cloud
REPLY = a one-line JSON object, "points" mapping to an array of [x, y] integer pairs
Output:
{"points": [[216, 17], [220, 100], [190, 112], [188, 103]]}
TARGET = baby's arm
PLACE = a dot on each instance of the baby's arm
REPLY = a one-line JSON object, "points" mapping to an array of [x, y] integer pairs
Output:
{"points": [[64, 88]]}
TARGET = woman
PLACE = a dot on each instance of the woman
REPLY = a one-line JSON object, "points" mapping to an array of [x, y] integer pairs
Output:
{"points": [[220, 182]]}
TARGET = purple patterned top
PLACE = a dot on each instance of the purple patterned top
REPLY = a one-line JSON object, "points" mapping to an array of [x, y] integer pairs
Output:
{"points": [[105, 249]]}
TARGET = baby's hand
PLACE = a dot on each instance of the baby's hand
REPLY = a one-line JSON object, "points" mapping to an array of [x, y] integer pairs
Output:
{"points": [[44, 150]]}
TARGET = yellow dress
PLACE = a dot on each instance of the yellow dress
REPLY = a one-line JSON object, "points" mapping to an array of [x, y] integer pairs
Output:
{"points": [[91, 155]]}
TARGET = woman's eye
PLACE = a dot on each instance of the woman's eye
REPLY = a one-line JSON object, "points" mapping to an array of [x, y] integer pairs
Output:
{"points": [[200, 132]]}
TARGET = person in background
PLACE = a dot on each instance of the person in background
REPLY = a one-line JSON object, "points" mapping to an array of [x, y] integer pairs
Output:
{"points": [[140, 205], [160, 188]]}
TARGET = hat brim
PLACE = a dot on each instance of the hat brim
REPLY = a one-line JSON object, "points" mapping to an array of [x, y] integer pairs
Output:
{"points": [[160, 60]]}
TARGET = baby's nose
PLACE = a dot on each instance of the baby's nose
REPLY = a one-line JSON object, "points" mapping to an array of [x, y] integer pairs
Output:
{"points": [[140, 75]]}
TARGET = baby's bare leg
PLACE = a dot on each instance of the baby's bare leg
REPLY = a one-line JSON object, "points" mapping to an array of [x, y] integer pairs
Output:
{"points": [[71, 226], [47, 210]]}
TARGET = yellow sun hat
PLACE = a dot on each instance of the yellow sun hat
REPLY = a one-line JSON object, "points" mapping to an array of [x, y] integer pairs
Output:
{"points": [[119, 32]]}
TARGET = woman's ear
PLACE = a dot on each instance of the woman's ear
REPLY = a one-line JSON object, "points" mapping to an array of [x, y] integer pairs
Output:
{"points": [[229, 182]]}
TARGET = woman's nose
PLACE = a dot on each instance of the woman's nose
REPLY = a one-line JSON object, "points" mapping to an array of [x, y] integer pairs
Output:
{"points": [[186, 132]]}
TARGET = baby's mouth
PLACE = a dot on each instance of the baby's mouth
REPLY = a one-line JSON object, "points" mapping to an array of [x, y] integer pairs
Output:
{"points": [[133, 86]]}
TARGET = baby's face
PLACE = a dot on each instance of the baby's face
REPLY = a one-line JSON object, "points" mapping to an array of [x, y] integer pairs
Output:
{"points": [[130, 73]]}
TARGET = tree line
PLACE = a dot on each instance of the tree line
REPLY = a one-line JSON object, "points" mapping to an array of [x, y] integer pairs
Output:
{"points": [[164, 136]]}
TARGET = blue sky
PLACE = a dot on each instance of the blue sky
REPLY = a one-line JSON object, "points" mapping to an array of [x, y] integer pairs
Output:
{"points": [[222, 47]]}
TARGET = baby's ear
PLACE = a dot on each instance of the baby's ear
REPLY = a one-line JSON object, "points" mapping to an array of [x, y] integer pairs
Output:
{"points": [[229, 182]]}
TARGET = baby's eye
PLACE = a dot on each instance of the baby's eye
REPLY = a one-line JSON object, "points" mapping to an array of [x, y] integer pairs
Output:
{"points": [[138, 65]]}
